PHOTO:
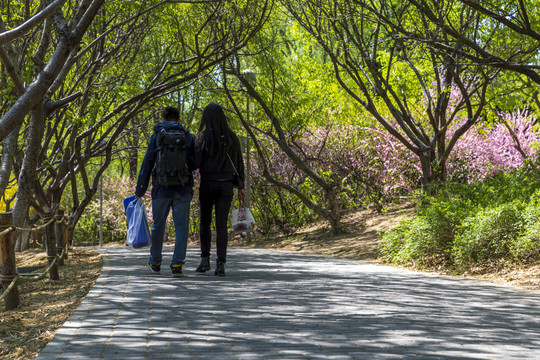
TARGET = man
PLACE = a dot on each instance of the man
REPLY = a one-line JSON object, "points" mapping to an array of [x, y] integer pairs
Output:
{"points": [[168, 160]]}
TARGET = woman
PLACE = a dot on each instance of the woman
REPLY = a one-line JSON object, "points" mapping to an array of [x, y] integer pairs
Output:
{"points": [[219, 159]]}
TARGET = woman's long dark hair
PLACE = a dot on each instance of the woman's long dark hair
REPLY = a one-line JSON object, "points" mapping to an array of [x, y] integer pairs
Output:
{"points": [[217, 137]]}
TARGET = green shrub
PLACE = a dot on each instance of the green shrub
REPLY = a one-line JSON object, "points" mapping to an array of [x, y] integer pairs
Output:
{"points": [[425, 240], [403, 245], [469, 224], [86, 232], [428, 238], [527, 246], [488, 235]]}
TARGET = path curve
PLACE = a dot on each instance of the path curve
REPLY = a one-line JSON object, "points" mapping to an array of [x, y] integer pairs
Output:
{"points": [[284, 305]]}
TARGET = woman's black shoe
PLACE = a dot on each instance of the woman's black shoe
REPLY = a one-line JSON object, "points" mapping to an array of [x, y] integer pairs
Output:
{"points": [[204, 265], [220, 269]]}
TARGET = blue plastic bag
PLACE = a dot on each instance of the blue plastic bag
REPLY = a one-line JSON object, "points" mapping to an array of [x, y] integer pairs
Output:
{"points": [[138, 233]]}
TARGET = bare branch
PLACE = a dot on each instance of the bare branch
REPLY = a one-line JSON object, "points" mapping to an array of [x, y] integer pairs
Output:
{"points": [[51, 106]]}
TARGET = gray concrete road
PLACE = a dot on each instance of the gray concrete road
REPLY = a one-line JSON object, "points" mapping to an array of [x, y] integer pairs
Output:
{"points": [[282, 305]]}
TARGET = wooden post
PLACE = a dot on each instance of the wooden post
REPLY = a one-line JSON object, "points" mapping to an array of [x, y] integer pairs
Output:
{"points": [[59, 236], [7, 262], [50, 240]]}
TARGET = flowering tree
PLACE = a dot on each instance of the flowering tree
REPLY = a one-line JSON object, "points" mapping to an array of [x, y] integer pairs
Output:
{"points": [[483, 152], [371, 167], [406, 85]]}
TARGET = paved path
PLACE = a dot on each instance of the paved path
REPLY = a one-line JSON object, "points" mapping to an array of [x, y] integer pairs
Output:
{"points": [[281, 305]]}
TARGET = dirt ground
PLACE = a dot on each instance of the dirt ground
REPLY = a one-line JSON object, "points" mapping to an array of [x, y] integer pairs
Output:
{"points": [[46, 305], [359, 240]]}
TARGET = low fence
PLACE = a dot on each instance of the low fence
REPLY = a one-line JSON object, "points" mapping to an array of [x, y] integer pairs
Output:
{"points": [[55, 236]]}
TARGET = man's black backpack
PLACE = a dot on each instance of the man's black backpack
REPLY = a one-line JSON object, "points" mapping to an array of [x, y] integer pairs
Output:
{"points": [[171, 159]]}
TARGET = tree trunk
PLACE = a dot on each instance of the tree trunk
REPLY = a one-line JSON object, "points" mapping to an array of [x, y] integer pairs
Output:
{"points": [[433, 172], [8, 154], [335, 210], [7, 262], [133, 157], [133, 154], [28, 170]]}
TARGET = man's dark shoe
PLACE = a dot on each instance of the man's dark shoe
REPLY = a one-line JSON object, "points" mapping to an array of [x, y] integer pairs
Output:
{"points": [[204, 265], [220, 269], [154, 268], [177, 270]]}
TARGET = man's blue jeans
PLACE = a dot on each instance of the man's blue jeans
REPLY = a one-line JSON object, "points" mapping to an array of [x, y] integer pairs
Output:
{"points": [[180, 206]]}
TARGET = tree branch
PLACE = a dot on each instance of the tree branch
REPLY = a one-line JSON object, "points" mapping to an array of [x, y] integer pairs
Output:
{"points": [[34, 21]]}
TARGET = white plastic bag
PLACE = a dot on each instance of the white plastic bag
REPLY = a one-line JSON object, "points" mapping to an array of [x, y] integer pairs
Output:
{"points": [[242, 220], [138, 233]]}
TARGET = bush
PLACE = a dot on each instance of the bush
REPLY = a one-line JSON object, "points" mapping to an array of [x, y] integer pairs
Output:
{"points": [[425, 240], [469, 224], [407, 243], [488, 235], [527, 246]]}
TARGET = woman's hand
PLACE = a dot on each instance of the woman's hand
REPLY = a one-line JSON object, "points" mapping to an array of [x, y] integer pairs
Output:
{"points": [[242, 196]]}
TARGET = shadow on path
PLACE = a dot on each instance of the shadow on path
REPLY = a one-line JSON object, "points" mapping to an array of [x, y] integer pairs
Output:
{"points": [[282, 305]]}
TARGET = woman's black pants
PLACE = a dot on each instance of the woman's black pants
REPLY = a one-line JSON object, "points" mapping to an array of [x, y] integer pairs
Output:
{"points": [[216, 195]]}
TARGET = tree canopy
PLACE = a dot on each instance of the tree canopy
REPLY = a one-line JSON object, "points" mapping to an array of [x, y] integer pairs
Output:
{"points": [[82, 81]]}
